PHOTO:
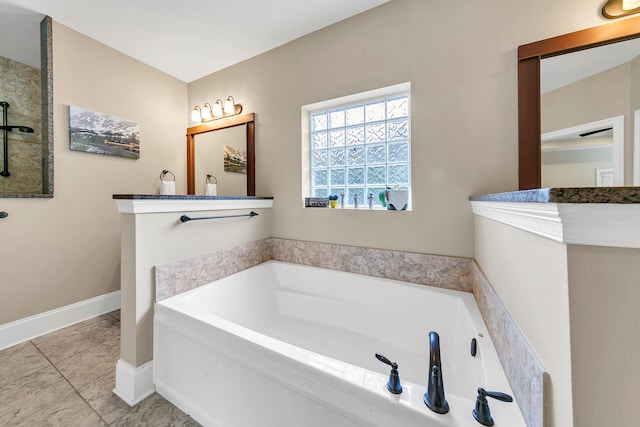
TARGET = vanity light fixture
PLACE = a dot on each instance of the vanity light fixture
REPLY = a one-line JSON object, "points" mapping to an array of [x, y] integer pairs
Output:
{"points": [[618, 8], [218, 110]]}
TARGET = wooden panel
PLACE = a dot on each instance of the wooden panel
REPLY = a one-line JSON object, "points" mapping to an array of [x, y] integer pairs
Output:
{"points": [[218, 124], [191, 162], [584, 39], [529, 156], [251, 159]]}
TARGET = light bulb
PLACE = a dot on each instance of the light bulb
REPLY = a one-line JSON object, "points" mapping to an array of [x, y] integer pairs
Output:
{"points": [[630, 4], [206, 112], [195, 115], [217, 108], [229, 106]]}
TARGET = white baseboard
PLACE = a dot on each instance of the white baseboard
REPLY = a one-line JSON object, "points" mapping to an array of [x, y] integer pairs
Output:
{"points": [[34, 326], [133, 385]]}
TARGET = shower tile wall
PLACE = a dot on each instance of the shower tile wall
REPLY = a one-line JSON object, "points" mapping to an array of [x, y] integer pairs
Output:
{"points": [[20, 86]]}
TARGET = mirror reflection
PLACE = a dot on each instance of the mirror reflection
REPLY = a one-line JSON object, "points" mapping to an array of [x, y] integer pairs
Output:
{"points": [[587, 103], [211, 158], [26, 135], [225, 149], [530, 111]]}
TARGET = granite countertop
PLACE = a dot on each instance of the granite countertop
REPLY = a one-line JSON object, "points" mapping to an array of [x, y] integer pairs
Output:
{"points": [[185, 197], [626, 195]]}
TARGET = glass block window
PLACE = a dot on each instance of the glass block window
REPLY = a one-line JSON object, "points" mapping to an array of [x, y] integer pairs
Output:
{"points": [[361, 148]]}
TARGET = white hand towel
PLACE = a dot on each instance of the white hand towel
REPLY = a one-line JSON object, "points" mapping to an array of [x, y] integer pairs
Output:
{"points": [[211, 190], [168, 188]]}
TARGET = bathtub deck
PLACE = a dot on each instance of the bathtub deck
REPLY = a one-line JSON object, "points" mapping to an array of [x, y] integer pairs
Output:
{"points": [[343, 344]]}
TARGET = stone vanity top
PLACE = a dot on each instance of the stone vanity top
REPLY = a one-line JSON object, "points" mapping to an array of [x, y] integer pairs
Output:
{"points": [[185, 197], [624, 195]]}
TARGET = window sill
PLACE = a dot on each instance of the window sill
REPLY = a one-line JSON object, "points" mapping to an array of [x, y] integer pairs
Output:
{"points": [[351, 208]]}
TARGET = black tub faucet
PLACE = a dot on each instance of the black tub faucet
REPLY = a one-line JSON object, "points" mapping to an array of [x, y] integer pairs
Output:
{"points": [[434, 397]]}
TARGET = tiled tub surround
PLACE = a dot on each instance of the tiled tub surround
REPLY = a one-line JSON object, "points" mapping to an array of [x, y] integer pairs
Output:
{"points": [[526, 374], [20, 87], [434, 270], [176, 277], [424, 269]]}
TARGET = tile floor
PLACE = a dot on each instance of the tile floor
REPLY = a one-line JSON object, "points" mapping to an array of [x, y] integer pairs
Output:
{"points": [[66, 378]]}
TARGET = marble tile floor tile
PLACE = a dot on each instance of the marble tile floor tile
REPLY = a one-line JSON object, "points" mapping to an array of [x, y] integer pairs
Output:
{"points": [[66, 379]]}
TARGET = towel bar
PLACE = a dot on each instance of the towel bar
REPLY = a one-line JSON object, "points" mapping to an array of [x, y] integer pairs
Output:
{"points": [[185, 218]]}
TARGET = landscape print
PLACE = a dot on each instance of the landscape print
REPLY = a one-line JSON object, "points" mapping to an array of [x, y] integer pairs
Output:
{"points": [[101, 133], [235, 159]]}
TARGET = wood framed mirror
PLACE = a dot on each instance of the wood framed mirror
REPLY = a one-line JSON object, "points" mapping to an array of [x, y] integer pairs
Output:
{"points": [[246, 120], [529, 58]]}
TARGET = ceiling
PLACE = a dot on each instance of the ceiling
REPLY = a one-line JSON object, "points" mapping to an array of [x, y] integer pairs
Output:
{"points": [[186, 39]]}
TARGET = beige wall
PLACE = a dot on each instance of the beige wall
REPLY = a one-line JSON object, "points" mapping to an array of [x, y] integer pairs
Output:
{"points": [[635, 83], [59, 251], [575, 168], [598, 97], [529, 274], [604, 296], [461, 60]]}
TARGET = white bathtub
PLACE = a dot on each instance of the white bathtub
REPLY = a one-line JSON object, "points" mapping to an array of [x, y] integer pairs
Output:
{"points": [[288, 345]]}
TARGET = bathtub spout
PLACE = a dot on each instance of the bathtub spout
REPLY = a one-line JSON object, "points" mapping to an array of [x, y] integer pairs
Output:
{"points": [[434, 398]]}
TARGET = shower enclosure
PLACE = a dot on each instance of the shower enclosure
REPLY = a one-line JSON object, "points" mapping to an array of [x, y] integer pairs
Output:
{"points": [[26, 101], [6, 128]]}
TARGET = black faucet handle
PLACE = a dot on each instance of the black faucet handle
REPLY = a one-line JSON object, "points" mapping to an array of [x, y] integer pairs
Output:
{"points": [[383, 359], [393, 385], [504, 397], [481, 412]]}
